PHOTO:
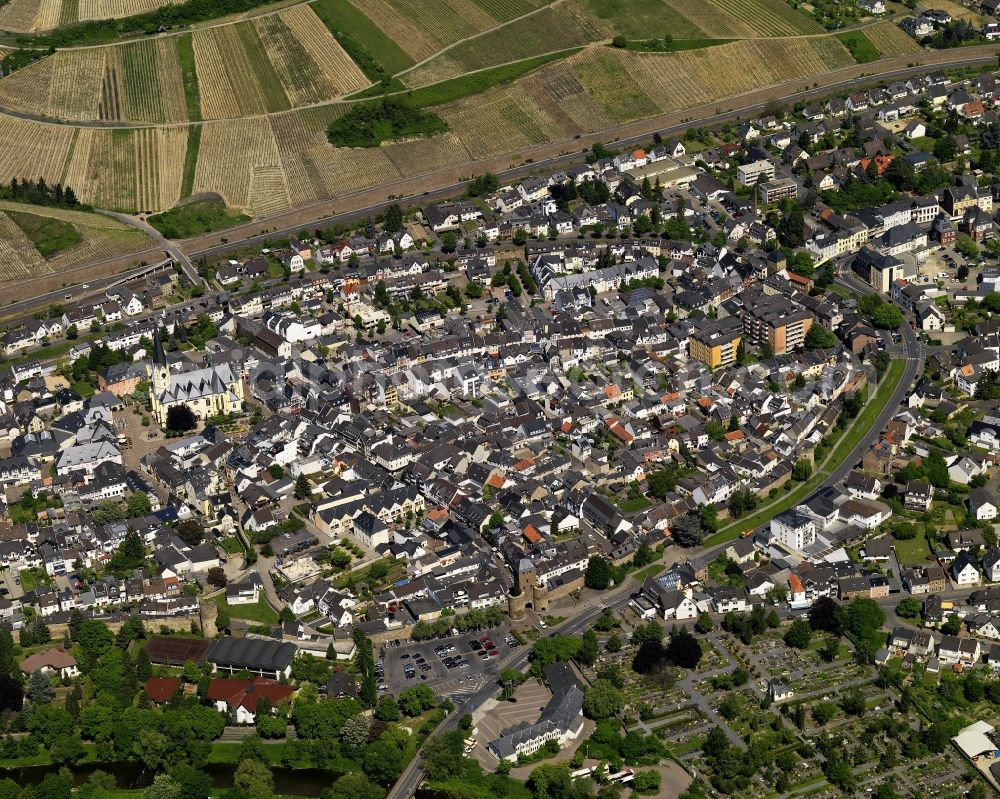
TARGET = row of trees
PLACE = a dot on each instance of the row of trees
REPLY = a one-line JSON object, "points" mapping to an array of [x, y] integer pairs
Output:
{"points": [[474, 619], [38, 192]]}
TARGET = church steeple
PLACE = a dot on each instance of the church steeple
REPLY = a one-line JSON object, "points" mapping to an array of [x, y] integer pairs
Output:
{"points": [[159, 356], [161, 372]]}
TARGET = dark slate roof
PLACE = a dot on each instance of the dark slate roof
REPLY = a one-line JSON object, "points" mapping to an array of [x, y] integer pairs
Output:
{"points": [[252, 653]]}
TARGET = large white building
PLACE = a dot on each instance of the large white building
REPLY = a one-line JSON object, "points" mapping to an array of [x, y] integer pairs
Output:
{"points": [[793, 529], [561, 720], [749, 174]]}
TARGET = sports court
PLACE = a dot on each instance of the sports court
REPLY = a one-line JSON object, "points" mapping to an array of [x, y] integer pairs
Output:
{"points": [[173, 650]]}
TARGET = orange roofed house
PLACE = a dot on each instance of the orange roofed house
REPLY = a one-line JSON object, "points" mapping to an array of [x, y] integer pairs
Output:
{"points": [[160, 690], [241, 697]]}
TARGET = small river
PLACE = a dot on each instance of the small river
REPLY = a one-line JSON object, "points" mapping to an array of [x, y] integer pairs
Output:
{"points": [[297, 782]]}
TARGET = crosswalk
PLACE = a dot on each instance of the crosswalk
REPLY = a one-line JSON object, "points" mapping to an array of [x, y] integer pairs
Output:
{"points": [[469, 685]]}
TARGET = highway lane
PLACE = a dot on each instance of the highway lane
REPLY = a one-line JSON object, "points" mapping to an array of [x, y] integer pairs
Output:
{"points": [[567, 159], [77, 292]]}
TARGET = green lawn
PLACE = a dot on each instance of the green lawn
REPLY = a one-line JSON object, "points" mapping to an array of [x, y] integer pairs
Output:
{"points": [[913, 551], [225, 752], [262, 613], [50, 236], [394, 569], [635, 504], [861, 47], [196, 218], [848, 441], [231, 545], [33, 578], [192, 96], [363, 40], [190, 160], [648, 571]]}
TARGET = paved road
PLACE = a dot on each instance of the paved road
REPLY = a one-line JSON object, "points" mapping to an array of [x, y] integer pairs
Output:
{"points": [[635, 133], [94, 287], [412, 775], [914, 353], [171, 247]]}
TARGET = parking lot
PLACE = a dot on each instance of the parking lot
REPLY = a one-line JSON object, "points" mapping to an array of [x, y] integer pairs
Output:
{"points": [[451, 666]]}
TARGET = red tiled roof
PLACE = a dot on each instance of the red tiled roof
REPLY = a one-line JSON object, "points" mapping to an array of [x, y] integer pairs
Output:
{"points": [[247, 693], [160, 689]]}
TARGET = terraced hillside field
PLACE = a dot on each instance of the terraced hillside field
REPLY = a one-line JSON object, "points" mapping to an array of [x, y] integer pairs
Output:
{"points": [[96, 237], [601, 87], [267, 164], [422, 27], [269, 63], [136, 82], [575, 23], [891, 40], [30, 16]]}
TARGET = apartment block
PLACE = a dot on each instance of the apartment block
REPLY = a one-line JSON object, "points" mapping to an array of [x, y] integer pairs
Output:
{"points": [[716, 344]]}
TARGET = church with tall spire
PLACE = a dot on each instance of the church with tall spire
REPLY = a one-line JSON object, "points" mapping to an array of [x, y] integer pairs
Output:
{"points": [[207, 392]]}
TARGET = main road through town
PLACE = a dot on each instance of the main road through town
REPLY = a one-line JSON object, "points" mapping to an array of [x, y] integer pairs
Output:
{"points": [[913, 351]]}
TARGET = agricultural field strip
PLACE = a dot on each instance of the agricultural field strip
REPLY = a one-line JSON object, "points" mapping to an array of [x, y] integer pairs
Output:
{"points": [[572, 23], [18, 256], [891, 40]]}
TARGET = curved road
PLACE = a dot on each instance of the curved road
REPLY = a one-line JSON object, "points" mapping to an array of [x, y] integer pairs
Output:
{"points": [[914, 352], [450, 181]]}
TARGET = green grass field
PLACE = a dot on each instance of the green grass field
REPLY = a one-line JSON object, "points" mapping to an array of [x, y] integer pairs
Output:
{"points": [[50, 236], [913, 551], [192, 97], [649, 571], [861, 47], [633, 505], [673, 46], [232, 546], [476, 82], [196, 218], [262, 613], [190, 160], [340, 17]]}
